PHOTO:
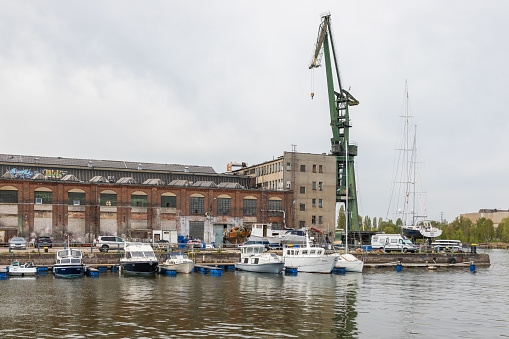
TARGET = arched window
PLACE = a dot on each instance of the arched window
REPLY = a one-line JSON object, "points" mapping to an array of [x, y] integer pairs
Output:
{"points": [[108, 198], [139, 199], [43, 195], [8, 195], [249, 208], [275, 207], [169, 200], [76, 196], [224, 205], [196, 204]]}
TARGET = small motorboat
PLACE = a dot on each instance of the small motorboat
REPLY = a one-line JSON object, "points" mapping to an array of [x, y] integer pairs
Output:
{"points": [[139, 258], [69, 264], [308, 258], [253, 258], [178, 262], [349, 263], [27, 269]]}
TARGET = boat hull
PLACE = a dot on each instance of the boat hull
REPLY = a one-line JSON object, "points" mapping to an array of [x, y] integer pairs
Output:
{"points": [[139, 267], [69, 271], [320, 264], [186, 267], [275, 267], [22, 272], [349, 263]]}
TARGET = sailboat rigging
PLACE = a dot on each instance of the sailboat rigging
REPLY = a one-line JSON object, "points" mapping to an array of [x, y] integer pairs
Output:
{"points": [[413, 217]]}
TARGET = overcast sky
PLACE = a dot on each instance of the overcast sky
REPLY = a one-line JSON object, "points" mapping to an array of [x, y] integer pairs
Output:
{"points": [[209, 82]]}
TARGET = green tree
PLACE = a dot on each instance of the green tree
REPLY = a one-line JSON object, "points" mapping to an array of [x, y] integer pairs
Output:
{"points": [[375, 227], [341, 218], [486, 229], [367, 222]]}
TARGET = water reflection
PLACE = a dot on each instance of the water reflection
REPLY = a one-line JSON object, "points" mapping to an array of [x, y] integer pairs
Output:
{"points": [[379, 303]]}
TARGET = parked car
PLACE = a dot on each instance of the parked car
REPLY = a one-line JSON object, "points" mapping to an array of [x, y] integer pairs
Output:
{"points": [[106, 242], [18, 243], [43, 242]]}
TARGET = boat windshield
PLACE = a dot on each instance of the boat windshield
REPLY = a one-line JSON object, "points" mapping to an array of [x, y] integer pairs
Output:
{"points": [[140, 254]]}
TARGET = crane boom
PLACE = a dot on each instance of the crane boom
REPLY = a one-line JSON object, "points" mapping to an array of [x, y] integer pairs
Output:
{"points": [[339, 102]]}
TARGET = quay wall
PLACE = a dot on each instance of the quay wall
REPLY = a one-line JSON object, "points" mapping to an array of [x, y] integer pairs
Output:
{"points": [[420, 258], [214, 257]]}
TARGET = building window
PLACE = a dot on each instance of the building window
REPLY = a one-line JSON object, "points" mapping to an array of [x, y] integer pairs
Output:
{"points": [[224, 206], [138, 200], [302, 206], [249, 207], [106, 199], [314, 168], [313, 219], [75, 198], [276, 226], [320, 203], [8, 197], [196, 205], [320, 186], [275, 205], [320, 220], [288, 166], [303, 190], [320, 169], [313, 202], [314, 185], [43, 197], [302, 224], [168, 201], [288, 185], [303, 168]]}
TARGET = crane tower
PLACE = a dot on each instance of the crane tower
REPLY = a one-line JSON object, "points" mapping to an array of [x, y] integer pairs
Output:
{"points": [[339, 103]]}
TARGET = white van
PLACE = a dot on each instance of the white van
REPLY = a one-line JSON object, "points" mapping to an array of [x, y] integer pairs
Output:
{"points": [[392, 242]]}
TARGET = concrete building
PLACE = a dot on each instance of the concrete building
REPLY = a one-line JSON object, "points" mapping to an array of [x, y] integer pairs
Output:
{"points": [[495, 215], [311, 177], [80, 199]]}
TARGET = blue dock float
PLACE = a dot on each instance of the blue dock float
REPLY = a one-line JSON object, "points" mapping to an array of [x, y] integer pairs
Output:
{"points": [[213, 270], [114, 268], [92, 272], [338, 270], [472, 267], [4, 274], [102, 269], [291, 271], [42, 270]]}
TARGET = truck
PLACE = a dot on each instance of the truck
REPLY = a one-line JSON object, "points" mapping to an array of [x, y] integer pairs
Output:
{"points": [[392, 242], [166, 236]]}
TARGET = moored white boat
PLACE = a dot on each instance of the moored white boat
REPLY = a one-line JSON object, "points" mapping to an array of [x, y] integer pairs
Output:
{"points": [[139, 258], [69, 264], [253, 258], [27, 269], [178, 262], [308, 258], [349, 263]]}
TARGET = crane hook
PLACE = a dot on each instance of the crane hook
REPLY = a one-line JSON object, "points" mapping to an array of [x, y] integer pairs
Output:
{"points": [[312, 95]]}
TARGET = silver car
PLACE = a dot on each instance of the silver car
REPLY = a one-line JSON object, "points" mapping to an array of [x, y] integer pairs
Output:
{"points": [[18, 243]]}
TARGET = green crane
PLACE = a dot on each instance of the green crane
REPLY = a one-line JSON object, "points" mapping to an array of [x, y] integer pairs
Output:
{"points": [[339, 102]]}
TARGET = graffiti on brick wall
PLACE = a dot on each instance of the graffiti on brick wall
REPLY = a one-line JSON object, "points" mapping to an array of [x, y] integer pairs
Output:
{"points": [[27, 173]]}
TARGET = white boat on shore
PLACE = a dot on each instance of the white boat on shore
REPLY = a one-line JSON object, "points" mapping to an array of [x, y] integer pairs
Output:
{"points": [[178, 262], [27, 269], [253, 258]]}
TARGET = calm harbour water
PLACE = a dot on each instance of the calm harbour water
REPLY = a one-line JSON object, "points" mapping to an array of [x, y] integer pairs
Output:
{"points": [[380, 303]]}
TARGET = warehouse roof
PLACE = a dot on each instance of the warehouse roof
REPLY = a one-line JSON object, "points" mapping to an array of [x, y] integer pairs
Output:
{"points": [[101, 164]]}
